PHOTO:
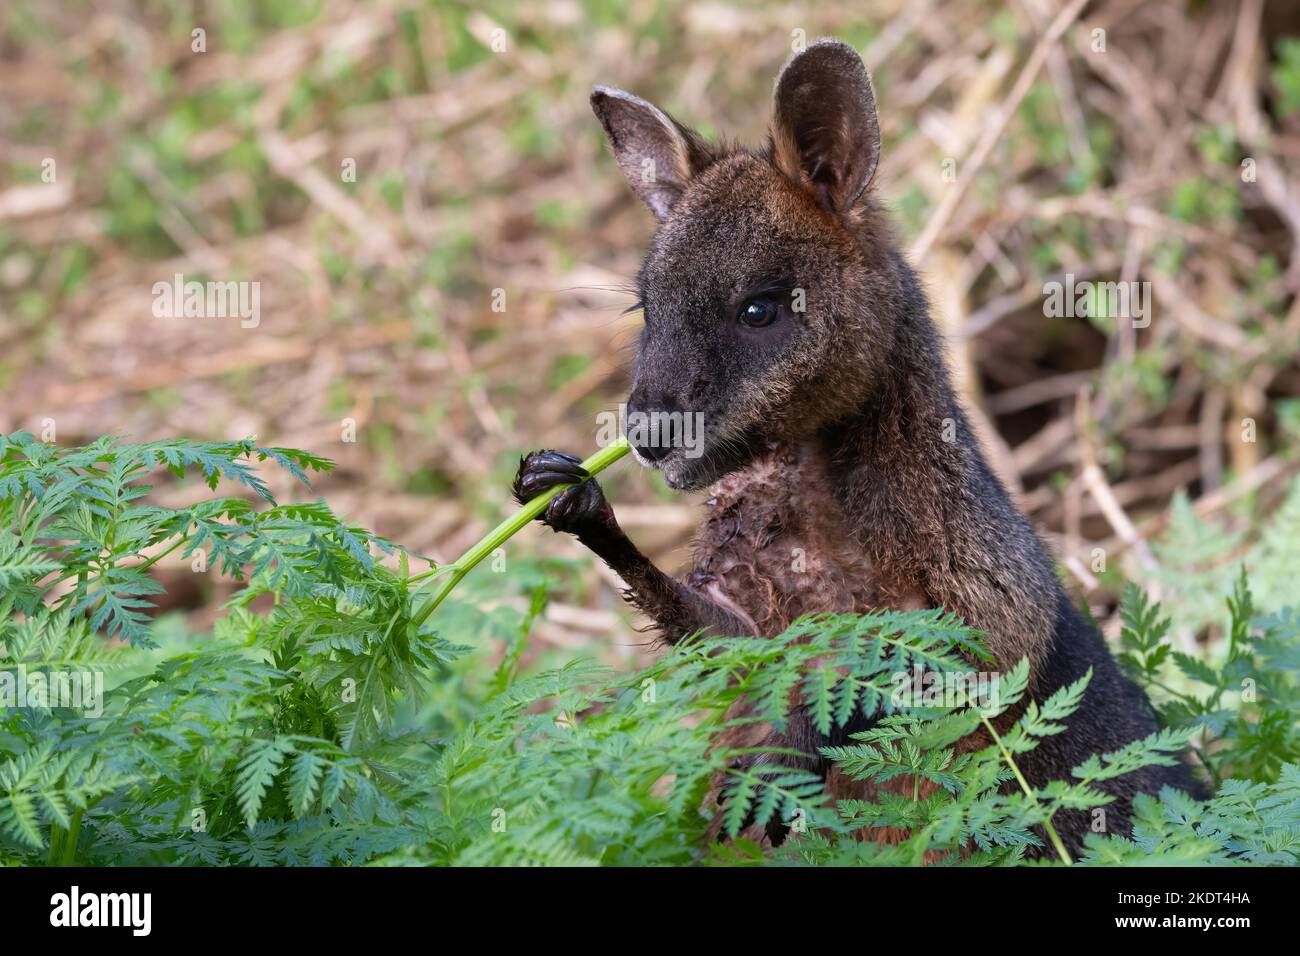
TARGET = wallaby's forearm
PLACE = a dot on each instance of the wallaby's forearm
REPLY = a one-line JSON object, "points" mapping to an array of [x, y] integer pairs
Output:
{"points": [[676, 609]]}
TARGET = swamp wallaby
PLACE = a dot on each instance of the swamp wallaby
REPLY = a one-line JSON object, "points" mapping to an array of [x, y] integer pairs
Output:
{"points": [[778, 306]]}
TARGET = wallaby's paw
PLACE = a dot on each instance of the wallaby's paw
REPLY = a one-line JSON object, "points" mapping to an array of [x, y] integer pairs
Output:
{"points": [[543, 470], [578, 509]]}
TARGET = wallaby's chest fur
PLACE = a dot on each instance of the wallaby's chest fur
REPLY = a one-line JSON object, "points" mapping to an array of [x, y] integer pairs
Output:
{"points": [[775, 546]]}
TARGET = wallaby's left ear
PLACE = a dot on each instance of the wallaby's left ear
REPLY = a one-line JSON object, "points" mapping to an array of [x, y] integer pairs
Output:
{"points": [[656, 153], [825, 135]]}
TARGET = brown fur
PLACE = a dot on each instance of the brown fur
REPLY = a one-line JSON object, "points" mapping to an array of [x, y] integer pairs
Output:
{"points": [[775, 546]]}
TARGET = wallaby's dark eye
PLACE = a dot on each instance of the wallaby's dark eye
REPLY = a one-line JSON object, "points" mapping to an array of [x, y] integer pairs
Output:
{"points": [[759, 312]]}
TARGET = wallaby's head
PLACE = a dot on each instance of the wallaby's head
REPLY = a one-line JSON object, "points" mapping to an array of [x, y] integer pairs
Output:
{"points": [[770, 287]]}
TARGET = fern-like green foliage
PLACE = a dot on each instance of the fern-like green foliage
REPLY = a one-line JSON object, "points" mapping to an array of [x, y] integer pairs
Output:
{"points": [[1198, 561], [318, 724], [1243, 709]]}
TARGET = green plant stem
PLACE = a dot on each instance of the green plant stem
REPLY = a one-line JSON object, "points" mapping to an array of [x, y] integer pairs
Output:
{"points": [[507, 529], [158, 557], [56, 833], [1024, 785], [70, 842]]}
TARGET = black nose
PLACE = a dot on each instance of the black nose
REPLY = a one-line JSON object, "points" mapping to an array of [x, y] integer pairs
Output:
{"points": [[653, 450], [653, 427]]}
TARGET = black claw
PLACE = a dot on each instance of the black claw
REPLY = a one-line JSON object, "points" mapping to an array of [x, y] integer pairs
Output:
{"points": [[556, 461], [558, 511], [543, 470], [534, 483], [552, 455], [579, 508]]}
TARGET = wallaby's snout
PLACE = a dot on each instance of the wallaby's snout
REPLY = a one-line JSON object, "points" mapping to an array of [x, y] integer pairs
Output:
{"points": [[654, 424], [760, 288]]}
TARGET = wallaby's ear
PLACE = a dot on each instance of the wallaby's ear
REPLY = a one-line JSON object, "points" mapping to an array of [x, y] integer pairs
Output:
{"points": [[825, 135], [657, 155]]}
